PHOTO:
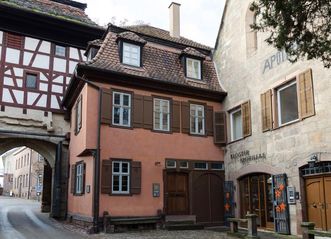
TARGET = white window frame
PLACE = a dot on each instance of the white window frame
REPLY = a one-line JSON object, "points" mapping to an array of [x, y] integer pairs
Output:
{"points": [[121, 106], [169, 166], [216, 169], [279, 106], [232, 126], [191, 74], [206, 168], [180, 166], [161, 114], [196, 117], [120, 174], [132, 61], [60, 54], [79, 171]]}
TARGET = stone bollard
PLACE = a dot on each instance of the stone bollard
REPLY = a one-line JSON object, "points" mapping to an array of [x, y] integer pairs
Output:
{"points": [[251, 226], [306, 226]]}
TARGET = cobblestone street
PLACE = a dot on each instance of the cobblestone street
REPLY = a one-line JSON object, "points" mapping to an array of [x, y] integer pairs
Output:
{"points": [[163, 234]]}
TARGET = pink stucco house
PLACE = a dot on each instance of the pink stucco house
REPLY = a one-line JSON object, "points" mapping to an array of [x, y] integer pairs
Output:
{"points": [[147, 129]]}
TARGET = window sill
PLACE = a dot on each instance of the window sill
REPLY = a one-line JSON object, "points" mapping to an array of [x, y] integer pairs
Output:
{"points": [[134, 68], [121, 126], [237, 140], [288, 123], [162, 131], [199, 81], [121, 194], [198, 135]]}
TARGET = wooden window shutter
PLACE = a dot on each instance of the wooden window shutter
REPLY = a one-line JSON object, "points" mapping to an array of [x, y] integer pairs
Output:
{"points": [[148, 112], [106, 107], [73, 178], [80, 105], [266, 110], [209, 121], [135, 183], [306, 93], [14, 41], [185, 113], [75, 119], [106, 176], [246, 118], [138, 111], [220, 128], [84, 177], [175, 117]]}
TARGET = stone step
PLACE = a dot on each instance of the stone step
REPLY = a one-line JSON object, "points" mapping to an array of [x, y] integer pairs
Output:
{"points": [[173, 227], [180, 218]]}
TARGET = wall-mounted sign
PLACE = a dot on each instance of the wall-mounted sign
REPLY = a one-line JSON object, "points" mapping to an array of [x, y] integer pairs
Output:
{"points": [[274, 61], [156, 190], [245, 157]]}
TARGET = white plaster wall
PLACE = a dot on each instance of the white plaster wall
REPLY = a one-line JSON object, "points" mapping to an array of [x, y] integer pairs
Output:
{"points": [[1, 37], [27, 58], [31, 43], [41, 61], [60, 65], [73, 53], [242, 76], [12, 55], [45, 47]]}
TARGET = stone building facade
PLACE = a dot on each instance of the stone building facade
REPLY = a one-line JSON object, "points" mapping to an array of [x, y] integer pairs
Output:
{"points": [[28, 173], [278, 154]]}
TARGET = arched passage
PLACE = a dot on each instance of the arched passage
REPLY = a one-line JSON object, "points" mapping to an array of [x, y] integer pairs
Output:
{"points": [[54, 196]]}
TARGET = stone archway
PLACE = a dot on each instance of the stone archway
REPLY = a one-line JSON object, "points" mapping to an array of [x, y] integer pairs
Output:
{"points": [[55, 151]]}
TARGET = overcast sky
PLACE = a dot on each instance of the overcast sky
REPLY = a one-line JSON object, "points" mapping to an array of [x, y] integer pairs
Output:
{"points": [[200, 19]]}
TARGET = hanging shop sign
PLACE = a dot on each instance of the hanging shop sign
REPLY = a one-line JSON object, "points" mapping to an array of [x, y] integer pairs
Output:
{"points": [[245, 157]]}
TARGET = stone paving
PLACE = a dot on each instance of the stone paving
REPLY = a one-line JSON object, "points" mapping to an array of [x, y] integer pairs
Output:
{"points": [[163, 234]]}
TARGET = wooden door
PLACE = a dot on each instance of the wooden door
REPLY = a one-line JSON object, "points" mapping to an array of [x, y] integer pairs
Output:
{"points": [[315, 202], [176, 193], [327, 206]]}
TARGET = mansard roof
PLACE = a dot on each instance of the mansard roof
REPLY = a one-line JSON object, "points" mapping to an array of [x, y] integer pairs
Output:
{"points": [[61, 9], [131, 36], [157, 33], [163, 68]]}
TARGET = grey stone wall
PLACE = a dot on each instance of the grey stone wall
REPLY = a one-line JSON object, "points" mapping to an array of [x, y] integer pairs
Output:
{"points": [[246, 77]]}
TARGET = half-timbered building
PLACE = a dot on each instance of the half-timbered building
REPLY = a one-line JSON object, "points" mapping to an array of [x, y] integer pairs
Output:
{"points": [[147, 129], [41, 41]]}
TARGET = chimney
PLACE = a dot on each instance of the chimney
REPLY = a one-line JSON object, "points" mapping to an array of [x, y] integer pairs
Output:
{"points": [[174, 18]]}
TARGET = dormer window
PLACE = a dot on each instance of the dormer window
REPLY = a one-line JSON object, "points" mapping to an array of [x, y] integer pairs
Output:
{"points": [[131, 54], [193, 68], [91, 53]]}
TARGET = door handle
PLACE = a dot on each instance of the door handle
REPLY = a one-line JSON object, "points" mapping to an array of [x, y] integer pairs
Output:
{"points": [[314, 205]]}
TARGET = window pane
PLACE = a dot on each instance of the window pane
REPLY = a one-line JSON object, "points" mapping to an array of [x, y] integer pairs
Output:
{"points": [[200, 165], [60, 50], [288, 104], [171, 164], [216, 166], [116, 115], [200, 125], [165, 106], [236, 125], [157, 105], [31, 81], [125, 116], [116, 183], [116, 167], [126, 100], [125, 183], [183, 164], [193, 128], [165, 121], [156, 120], [131, 54], [125, 168]]}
